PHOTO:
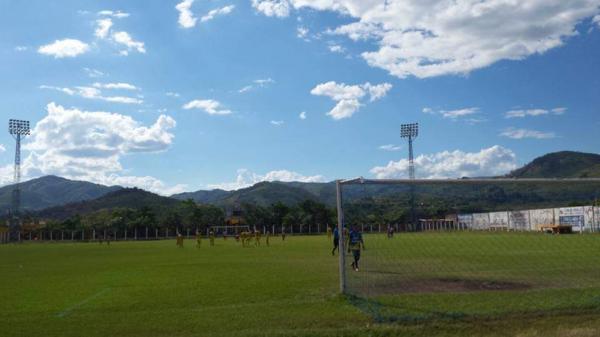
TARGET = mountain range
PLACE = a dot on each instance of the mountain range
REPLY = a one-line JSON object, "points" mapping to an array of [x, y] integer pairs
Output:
{"points": [[56, 196]]}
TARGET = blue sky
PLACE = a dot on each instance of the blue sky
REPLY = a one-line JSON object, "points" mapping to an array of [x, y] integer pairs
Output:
{"points": [[175, 96]]}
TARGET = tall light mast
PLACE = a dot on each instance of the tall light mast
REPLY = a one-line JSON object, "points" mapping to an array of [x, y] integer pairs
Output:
{"points": [[18, 129]]}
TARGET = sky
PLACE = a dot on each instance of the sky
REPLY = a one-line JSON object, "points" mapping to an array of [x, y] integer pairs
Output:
{"points": [[174, 96]]}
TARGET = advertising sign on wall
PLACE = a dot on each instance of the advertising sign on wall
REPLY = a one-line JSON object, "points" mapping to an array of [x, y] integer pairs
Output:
{"points": [[572, 216], [499, 219]]}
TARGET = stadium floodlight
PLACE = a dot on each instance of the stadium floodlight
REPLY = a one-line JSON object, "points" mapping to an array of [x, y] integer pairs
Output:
{"points": [[17, 128], [410, 131]]}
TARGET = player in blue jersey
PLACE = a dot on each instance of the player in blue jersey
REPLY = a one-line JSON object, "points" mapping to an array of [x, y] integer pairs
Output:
{"points": [[355, 245]]}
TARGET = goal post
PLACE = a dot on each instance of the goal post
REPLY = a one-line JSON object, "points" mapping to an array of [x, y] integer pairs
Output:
{"points": [[520, 219]]}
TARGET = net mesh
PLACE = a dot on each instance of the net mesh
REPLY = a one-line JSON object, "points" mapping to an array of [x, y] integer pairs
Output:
{"points": [[474, 250]]}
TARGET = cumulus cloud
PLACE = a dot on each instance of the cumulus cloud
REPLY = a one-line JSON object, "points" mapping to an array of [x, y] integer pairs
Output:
{"points": [[126, 40], [302, 33], [514, 133], [277, 8], [186, 17], [209, 106], [390, 147], [172, 94], [492, 161], [336, 48], [439, 37], [277, 123], [104, 31], [2, 148], [89, 146], [246, 178], [348, 97], [21, 48], [217, 12], [302, 115], [64, 48]]}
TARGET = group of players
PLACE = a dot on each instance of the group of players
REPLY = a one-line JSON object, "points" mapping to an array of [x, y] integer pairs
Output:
{"points": [[245, 237], [354, 240]]}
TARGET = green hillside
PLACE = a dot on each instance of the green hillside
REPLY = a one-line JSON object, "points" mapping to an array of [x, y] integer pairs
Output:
{"points": [[565, 164], [52, 191]]}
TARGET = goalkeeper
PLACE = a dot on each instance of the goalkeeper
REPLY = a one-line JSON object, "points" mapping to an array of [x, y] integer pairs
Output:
{"points": [[355, 245]]}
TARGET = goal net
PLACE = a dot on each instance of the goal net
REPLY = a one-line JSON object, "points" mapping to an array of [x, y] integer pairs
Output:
{"points": [[470, 247]]}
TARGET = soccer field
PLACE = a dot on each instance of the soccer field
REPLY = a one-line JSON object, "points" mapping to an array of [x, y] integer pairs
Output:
{"points": [[433, 284]]}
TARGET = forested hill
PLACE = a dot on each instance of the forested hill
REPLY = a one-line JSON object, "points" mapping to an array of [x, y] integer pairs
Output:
{"points": [[50, 191], [129, 198], [565, 164]]}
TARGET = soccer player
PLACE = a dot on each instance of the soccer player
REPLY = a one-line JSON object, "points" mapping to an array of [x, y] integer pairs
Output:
{"points": [[282, 233], [267, 236], [390, 231], [336, 241], [198, 239], [356, 244], [179, 240], [211, 237], [257, 237], [328, 233]]}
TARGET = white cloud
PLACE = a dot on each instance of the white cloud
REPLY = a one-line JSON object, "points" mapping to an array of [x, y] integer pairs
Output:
{"points": [[277, 123], [348, 96], [390, 147], [117, 14], [64, 48], [93, 93], [559, 110], [89, 146], [209, 106], [428, 111], [492, 161], [102, 28], [173, 94], [2, 148], [93, 73], [104, 31], [123, 86], [302, 33], [245, 178], [217, 12], [277, 8], [525, 113], [21, 48], [186, 17], [260, 83], [596, 20], [336, 48], [440, 37], [126, 40], [514, 133], [302, 115], [454, 114]]}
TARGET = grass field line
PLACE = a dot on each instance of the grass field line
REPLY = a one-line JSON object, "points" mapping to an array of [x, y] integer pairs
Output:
{"points": [[82, 303]]}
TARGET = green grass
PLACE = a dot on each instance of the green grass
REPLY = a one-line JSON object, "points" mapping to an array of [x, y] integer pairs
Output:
{"points": [[290, 289]]}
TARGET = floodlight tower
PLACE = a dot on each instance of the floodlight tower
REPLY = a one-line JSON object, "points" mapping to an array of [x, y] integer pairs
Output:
{"points": [[17, 128], [410, 131]]}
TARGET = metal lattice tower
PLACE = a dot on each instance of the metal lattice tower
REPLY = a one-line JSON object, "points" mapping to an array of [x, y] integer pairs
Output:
{"points": [[17, 128], [410, 131]]}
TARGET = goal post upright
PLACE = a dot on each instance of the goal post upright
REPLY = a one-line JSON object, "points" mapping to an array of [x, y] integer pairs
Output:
{"points": [[415, 182]]}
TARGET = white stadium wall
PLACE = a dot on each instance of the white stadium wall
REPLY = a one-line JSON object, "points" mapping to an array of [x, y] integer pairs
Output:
{"points": [[519, 220], [539, 217], [465, 221], [481, 221], [499, 219]]}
